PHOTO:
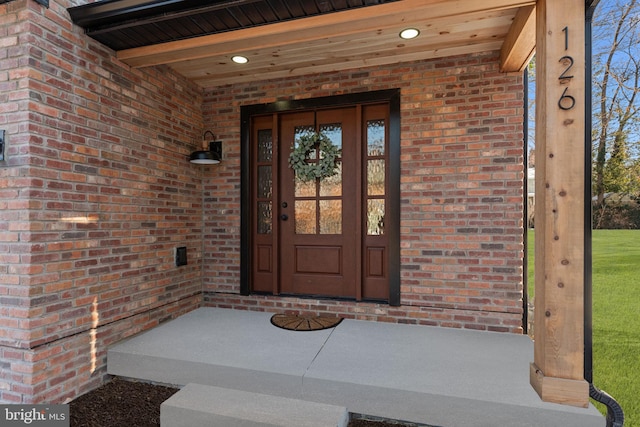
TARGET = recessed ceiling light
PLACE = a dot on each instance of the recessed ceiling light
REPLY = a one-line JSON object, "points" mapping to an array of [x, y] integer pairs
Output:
{"points": [[409, 33], [240, 59]]}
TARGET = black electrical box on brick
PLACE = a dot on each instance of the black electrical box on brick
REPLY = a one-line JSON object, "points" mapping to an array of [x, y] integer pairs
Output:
{"points": [[181, 256]]}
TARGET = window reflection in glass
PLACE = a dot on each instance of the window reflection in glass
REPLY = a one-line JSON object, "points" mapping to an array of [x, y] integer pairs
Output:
{"points": [[305, 216], [375, 177], [265, 214], [265, 145], [375, 137], [333, 131], [305, 188], [301, 131], [330, 216], [265, 183], [375, 217], [332, 186]]}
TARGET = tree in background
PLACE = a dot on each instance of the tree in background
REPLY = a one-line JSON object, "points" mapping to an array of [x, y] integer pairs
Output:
{"points": [[616, 124]]}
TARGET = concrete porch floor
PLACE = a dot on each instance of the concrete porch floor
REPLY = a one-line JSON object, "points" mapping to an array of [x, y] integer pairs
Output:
{"points": [[437, 376]]}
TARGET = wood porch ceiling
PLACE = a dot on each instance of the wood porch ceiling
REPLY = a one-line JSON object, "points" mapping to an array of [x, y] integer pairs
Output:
{"points": [[285, 38]]}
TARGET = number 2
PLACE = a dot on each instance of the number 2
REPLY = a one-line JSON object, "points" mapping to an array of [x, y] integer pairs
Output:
{"points": [[563, 75]]}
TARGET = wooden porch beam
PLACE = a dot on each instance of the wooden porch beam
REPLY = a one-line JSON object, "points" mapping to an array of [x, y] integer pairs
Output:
{"points": [[557, 373], [520, 44], [379, 17]]}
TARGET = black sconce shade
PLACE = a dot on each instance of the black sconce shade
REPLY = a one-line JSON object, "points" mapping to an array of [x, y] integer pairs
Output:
{"points": [[211, 156]]}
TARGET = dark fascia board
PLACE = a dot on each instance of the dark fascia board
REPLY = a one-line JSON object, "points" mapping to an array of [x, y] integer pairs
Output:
{"points": [[110, 12]]}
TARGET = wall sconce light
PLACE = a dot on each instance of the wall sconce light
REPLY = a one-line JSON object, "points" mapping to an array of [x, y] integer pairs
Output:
{"points": [[211, 154]]}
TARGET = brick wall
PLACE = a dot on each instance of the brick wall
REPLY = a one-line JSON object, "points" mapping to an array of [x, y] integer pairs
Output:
{"points": [[461, 192], [95, 195]]}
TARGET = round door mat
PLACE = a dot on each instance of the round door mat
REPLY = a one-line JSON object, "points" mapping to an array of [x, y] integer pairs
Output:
{"points": [[294, 322]]}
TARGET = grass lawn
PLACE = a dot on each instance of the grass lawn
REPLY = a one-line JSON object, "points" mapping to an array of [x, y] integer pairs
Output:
{"points": [[616, 316]]}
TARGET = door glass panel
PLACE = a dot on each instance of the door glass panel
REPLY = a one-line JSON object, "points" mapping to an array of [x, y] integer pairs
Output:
{"points": [[305, 188], [330, 216], [265, 145], [264, 217], [301, 131], [375, 177], [305, 216], [265, 184], [375, 217], [375, 137], [333, 132], [332, 186]]}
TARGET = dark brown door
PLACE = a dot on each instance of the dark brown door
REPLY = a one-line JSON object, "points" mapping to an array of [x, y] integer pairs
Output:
{"points": [[324, 237], [317, 218]]}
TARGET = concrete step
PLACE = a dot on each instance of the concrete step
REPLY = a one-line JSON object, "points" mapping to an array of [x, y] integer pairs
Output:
{"points": [[198, 405]]}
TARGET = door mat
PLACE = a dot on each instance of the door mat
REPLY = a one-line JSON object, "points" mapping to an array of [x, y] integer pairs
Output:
{"points": [[294, 322]]}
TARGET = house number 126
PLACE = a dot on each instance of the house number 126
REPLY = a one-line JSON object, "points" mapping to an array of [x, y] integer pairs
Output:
{"points": [[566, 102]]}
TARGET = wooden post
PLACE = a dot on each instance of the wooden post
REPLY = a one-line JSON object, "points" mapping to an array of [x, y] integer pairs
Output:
{"points": [[557, 373]]}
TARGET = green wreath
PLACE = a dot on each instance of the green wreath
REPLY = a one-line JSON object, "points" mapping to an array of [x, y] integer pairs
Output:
{"points": [[325, 167]]}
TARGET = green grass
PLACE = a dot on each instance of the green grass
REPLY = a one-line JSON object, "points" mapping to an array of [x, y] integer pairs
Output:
{"points": [[616, 316]]}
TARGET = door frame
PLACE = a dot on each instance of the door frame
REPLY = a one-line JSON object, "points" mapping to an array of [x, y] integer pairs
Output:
{"points": [[392, 96]]}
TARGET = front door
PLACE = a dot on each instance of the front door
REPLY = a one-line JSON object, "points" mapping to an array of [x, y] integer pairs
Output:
{"points": [[317, 218], [321, 237]]}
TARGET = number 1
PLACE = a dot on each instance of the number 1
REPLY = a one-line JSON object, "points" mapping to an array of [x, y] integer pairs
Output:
{"points": [[565, 30]]}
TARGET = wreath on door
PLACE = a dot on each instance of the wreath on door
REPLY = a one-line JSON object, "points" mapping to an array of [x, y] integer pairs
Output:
{"points": [[325, 167]]}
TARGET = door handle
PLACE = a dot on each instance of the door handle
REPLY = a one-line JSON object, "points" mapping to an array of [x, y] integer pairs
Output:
{"points": [[284, 217]]}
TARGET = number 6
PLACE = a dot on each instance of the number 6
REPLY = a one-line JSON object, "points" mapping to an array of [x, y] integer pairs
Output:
{"points": [[566, 98]]}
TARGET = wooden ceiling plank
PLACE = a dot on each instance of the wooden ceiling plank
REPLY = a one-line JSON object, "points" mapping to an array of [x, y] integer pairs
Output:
{"points": [[340, 51], [520, 43], [353, 45], [381, 16], [372, 41], [440, 29], [214, 81], [333, 63]]}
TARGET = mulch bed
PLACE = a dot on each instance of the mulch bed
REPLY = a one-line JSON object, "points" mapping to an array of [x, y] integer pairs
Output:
{"points": [[121, 403]]}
